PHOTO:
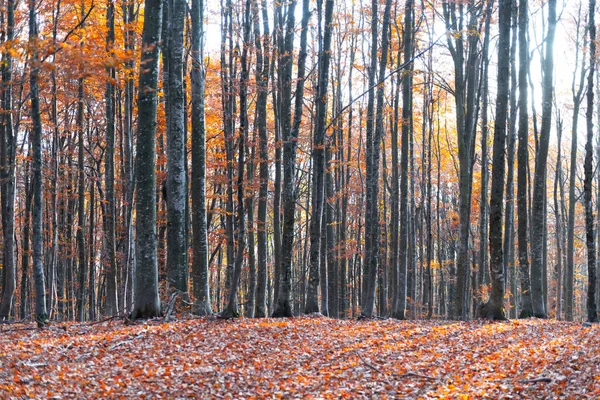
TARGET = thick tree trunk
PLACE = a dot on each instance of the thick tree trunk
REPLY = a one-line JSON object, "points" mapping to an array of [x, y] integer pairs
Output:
{"points": [[176, 181], [147, 302], [494, 308]]}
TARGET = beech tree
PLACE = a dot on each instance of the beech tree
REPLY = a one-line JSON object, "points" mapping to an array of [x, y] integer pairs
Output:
{"points": [[494, 308], [147, 301]]}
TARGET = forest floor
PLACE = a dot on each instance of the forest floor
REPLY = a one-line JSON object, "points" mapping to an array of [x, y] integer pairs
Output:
{"points": [[301, 357]]}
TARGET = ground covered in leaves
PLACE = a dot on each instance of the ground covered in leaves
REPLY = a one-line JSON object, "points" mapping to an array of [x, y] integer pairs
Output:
{"points": [[302, 357]]}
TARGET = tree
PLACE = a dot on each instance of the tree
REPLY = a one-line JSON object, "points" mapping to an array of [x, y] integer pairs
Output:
{"points": [[231, 310], [200, 276], [465, 57], [494, 308], [523, 164], [318, 163], [372, 234], [539, 182], [577, 94], [41, 313], [262, 77], [590, 242], [147, 302], [399, 311], [7, 164], [176, 182], [290, 136], [112, 304]]}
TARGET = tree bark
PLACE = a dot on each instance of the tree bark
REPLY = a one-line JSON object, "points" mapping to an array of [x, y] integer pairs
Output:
{"points": [[176, 180], [318, 162], [112, 305], [401, 293], [494, 309], [523, 163], [590, 242], [200, 273], [539, 184], [41, 314], [262, 79], [282, 308], [147, 302], [8, 156]]}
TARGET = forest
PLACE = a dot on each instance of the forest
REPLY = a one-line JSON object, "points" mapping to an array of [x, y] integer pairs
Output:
{"points": [[413, 160], [178, 179]]}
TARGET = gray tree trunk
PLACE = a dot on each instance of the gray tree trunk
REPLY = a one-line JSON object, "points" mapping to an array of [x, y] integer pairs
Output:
{"points": [[523, 163], [200, 273], [231, 310], [401, 292], [7, 162], [41, 314], [282, 308], [262, 79], [465, 88], [494, 308], [577, 98], [539, 183], [147, 302], [112, 305], [318, 162], [176, 180]]}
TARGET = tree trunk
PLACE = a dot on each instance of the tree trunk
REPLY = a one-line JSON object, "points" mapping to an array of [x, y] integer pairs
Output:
{"points": [[41, 315], [401, 293], [231, 310], [8, 155], [539, 184], [177, 268], [318, 161], [200, 272], [494, 309], [282, 308], [262, 79], [81, 207], [523, 162], [147, 302], [590, 240], [465, 77]]}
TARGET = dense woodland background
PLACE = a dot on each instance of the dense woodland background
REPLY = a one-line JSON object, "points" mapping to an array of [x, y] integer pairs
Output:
{"points": [[412, 159]]}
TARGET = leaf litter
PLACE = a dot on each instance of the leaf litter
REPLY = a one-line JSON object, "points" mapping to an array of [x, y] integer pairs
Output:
{"points": [[307, 357]]}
